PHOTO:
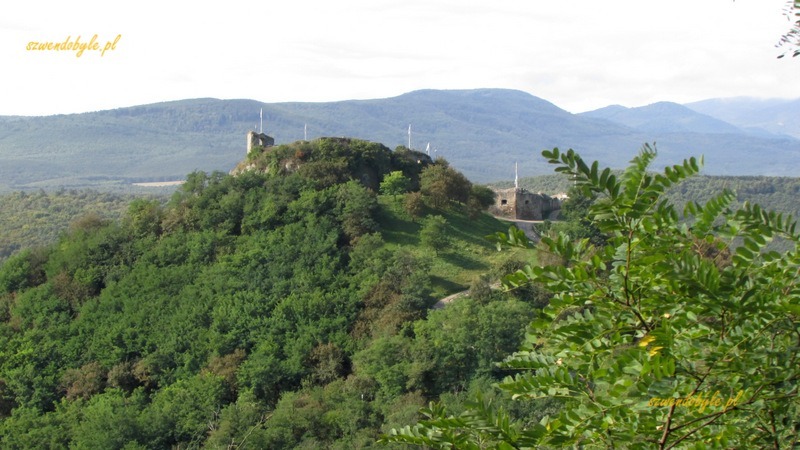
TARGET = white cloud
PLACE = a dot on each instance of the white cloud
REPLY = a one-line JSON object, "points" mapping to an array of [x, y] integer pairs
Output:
{"points": [[579, 56]]}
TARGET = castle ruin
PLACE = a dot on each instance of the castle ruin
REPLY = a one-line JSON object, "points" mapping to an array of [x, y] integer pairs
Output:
{"points": [[258, 140], [517, 203]]}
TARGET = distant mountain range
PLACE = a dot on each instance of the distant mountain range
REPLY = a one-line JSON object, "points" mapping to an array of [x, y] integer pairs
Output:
{"points": [[482, 132], [771, 116]]}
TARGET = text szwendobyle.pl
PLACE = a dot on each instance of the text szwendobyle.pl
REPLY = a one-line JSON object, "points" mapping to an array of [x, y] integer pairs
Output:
{"points": [[700, 401], [76, 45]]}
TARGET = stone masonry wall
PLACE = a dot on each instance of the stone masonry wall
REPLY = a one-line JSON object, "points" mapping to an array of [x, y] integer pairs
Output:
{"points": [[520, 204], [258, 140]]}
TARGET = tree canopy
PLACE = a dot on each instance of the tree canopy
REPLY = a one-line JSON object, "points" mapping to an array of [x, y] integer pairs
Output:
{"points": [[395, 183], [675, 333]]}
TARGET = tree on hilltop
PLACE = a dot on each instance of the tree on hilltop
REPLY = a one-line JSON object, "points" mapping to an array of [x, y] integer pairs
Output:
{"points": [[395, 183], [442, 184], [480, 198], [434, 233]]}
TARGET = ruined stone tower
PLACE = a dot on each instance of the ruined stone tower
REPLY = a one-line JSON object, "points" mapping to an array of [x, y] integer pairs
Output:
{"points": [[258, 140], [518, 203]]}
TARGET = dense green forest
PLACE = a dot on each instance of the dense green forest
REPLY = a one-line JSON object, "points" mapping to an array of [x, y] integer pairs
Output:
{"points": [[288, 306], [34, 219]]}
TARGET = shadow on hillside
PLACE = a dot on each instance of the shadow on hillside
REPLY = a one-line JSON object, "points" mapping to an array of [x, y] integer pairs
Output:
{"points": [[464, 261], [463, 228], [460, 235], [441, 286], [401, 237]]}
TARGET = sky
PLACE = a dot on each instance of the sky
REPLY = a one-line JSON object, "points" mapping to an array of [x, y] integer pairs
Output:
{"points": [[578, 55]]}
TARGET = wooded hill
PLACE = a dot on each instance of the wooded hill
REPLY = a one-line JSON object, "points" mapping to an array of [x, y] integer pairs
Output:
{"points": [[37, 218], [289, 306], [273, 309]]}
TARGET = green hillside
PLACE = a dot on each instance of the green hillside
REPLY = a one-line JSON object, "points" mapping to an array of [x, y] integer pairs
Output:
{"points": [[468, 256], [271, 309], [292, 305], [29, 220]]}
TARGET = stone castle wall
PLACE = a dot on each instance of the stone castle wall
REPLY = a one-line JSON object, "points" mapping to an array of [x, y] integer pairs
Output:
{"points": [[258, 140], [520, 204]]}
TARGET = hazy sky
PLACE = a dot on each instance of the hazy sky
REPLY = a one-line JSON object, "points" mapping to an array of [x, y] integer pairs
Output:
{"points": [[579, 55]]}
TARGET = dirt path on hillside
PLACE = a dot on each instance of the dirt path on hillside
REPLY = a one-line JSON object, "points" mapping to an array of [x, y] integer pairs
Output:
{"points": [[443, 302], [525, 225], [529, 231], [446, 301]]}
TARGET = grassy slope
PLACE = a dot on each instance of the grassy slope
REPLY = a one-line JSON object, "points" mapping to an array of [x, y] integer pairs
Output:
{"points": [[470, 254]]}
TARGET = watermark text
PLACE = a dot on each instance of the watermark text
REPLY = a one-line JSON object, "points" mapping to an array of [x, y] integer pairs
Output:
{"points": [[75, 45], [700, 401]]}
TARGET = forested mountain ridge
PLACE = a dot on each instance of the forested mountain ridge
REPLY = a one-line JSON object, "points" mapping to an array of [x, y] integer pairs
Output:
{"points": [[482, 132], [778, 116], [664, 117], [271, 309]]}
